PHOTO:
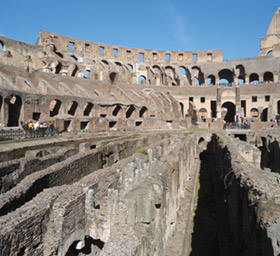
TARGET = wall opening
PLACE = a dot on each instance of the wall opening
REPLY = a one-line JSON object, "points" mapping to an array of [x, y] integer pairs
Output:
{"points": [[36, 116], [66, 124], [211, 80], [71, 47], [254, 78], [231, 111], [112, 124], [73, 108], [254, 112], [143, 112], [1, 46], [86, 74], [113, 77], [242, 137], [141, 57], [88, 109], [83, 125], [243, 107], [213, 109], [130, 111], [225, 77], [141, 80], [54, 107], [167, 56], [14, 108], [115, 52], [138, 123], [268, 77], [264, 115], [117, 110]]}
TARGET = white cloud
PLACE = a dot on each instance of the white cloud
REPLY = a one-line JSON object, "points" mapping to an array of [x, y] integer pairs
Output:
{"points": [[179, 24]]}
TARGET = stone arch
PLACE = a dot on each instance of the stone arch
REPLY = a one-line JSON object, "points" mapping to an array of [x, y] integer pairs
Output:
{"points": [[73, 108], [254, 78], [14, 104], [88, 109], [264, 115], [203, 113], [231, 111], [225, 77], [201, 139], [198, 76], [1, 46], [268, 77], [269, 53], [117, 110], [186, 73], [113, 77], [211, 80], [254, 112], [143, 112], [54, 107], [130, 111], [141, 79], [241, 74]]}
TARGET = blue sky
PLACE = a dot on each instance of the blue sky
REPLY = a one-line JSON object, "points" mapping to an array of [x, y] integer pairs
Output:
{"points": [[234, 26]]}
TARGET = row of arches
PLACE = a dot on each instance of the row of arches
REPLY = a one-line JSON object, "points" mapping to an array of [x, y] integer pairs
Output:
{"points": [[55, 106], [195, 77]]}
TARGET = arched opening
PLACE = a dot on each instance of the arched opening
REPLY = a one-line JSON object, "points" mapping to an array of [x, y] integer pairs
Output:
{"points": [[130, 111], [141, 80], [73, 108], [54, 107], [183, 71], [86, 74], [198, 76], [201, 140], [113, 77], [240, 74], [254, 112], [211, 80], [268, 77], [231, 111], [130, 67], [182, 109], [14, 108], [88, 109], [225, 77], [254, 78], [202, 114], [143, 112], [269, 53], [90, 247], [1, 46], [264, 115], [116, 110]]}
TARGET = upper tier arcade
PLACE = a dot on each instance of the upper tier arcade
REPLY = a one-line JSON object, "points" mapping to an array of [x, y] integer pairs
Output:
{"points": [[69, 44]]}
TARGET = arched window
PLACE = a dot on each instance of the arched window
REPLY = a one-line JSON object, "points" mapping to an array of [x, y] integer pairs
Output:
{"points": [[130, 111], [269, 53], [54, 107], [73, 108], [268, 77], [1, 46], [14, 109], [264, 115], [130, 67], [231, 111], [116, 110], [143, 112], [225, 77], [254, 78], [254, 112], [183, 71], [113, 77], [211, 80], [86, 74], [88, 109], [141, 80]]}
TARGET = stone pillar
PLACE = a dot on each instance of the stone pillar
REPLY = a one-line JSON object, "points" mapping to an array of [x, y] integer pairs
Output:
{"points": [[219, 103]]}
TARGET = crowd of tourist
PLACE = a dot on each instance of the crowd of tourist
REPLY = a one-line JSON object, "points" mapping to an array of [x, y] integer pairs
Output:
{"points": [[38, 129]]}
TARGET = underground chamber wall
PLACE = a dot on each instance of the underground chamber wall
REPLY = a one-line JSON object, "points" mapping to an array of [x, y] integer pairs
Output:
{"points": [[225, 221]]}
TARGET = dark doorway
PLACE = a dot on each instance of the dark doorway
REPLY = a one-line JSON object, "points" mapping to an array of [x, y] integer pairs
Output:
{"points": [[231, 111], [264, 115], [213, 109], [14, 108]]}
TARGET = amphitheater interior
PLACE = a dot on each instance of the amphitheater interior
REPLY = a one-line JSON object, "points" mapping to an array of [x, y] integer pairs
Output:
{"points": [[148, 152]]}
